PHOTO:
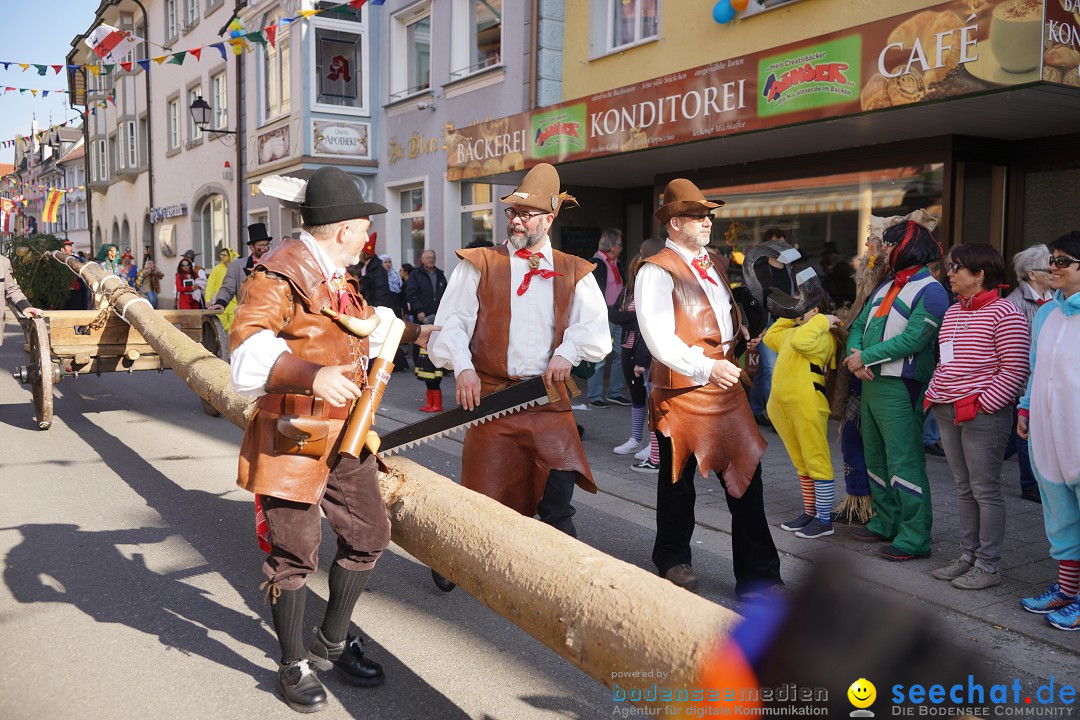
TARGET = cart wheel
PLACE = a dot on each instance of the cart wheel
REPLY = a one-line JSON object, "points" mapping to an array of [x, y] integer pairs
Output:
{"points": [[216, 341], [41, 382]]}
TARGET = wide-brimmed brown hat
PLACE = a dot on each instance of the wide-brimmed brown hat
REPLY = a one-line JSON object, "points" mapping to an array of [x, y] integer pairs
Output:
{"points": [[681, 197], [540, 189]]}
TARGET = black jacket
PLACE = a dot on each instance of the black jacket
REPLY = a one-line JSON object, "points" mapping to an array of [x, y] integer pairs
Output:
{"points": [[419, 293], [375, 284]]}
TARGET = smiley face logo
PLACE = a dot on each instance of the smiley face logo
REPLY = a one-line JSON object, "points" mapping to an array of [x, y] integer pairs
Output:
{"points": [[862, 694]]}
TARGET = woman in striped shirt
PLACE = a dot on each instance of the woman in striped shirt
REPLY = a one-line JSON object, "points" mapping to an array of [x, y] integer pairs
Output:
{"points": [[983, 365]]}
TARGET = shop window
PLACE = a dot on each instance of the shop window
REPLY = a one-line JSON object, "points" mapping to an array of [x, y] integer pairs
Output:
{"points": [[1051, 205], [340, 67], [477, 36], [413, 230], [477, 213], [411, 52], [619, 24], [336, 10]]}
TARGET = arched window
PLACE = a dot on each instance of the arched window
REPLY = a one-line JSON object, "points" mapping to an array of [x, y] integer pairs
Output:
{"points": [[211, 228], [97, 238], [116, 235], [125, 236]]}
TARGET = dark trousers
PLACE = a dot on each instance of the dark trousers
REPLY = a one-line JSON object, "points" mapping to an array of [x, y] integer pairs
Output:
{"points": [[554, 507], [354, 508], [636, 383], [756, 562]]}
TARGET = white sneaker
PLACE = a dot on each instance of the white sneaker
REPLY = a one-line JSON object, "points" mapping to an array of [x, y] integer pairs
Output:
{"points": [[581, 406], [628, 447], [643, 453]]}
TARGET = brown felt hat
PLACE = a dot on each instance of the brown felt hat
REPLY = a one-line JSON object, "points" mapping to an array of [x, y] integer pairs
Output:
{"points": [[681, 197], [540, 190]]}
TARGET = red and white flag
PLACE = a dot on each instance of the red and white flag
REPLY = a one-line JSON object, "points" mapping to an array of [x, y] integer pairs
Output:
{"points": [[109, 43]]}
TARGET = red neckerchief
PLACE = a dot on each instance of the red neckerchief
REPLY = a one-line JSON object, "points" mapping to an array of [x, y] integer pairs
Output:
{"points": [[900, 279], [534, 269], [702, 265], [978, 301], [614, 270], [1040, 302]]}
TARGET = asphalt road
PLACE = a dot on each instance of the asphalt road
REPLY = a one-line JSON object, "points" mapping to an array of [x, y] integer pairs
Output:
{"points": [[131, 573]]}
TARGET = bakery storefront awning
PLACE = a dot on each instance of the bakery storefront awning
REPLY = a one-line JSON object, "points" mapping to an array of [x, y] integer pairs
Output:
{"points": [[809, 203], [877, 82]]}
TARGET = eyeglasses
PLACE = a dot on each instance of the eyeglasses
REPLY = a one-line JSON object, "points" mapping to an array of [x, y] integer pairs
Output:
{"points": [[697, 218], [955, 267], [524, 215], [263, 245], [1062, 261]]}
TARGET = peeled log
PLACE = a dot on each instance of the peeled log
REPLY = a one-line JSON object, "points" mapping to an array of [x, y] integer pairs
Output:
{"points": [[604, 615]]}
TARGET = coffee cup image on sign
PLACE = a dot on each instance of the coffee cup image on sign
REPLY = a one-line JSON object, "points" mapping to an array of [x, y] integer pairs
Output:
{"points": [[1016, 35]]}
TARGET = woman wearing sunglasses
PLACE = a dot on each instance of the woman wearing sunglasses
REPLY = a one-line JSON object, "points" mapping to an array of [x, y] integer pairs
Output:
{"points": [[1050, 420], [185, 286], [982, 367]]}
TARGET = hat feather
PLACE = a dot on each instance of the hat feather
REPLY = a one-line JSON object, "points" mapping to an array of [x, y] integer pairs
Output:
{"points": [[284, 187]]}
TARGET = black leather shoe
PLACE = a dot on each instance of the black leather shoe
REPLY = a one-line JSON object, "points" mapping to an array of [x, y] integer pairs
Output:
{"points": [[1032, 494], [347, 659], [935, 449], [301, 688], [442, 583]]}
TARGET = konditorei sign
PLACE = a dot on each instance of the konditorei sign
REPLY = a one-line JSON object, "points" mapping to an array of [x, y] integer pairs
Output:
{"points": [[944, 51]]}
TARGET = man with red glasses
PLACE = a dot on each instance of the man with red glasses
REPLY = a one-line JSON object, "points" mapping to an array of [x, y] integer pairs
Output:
{"points": [[1050, 417], [697, 406], [512, 312]]}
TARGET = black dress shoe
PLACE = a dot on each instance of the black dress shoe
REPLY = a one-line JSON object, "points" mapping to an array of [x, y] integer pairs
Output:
{"points": [[442, 583], [763, 420], [936, 450], [347, 659], [1031, 493], [301, 688]]}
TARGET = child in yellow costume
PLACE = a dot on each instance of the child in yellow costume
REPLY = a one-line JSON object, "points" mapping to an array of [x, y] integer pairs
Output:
{"points": [[799, 411]]}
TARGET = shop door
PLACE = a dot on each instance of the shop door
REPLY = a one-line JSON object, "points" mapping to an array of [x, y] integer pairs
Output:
{"points": [[979, 210]]}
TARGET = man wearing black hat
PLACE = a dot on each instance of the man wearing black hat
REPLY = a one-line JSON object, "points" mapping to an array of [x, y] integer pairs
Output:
{"points": [[305, 370], [238, 270]]}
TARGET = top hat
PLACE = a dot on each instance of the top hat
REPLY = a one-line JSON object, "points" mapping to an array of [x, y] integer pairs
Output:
{"points": [[540, 190], [332, 196], [681, 197], [257, 233]]}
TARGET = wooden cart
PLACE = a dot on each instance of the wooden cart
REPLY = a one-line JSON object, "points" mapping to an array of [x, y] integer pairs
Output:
{"points": [[67, 343]]}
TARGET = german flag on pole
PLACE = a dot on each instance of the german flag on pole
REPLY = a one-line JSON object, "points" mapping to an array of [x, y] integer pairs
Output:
{"points": [[52, 206]]}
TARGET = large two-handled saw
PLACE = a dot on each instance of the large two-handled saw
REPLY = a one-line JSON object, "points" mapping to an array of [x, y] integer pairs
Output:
{"points": [[519, 396]]}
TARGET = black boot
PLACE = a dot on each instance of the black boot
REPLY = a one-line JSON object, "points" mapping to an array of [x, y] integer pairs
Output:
{"points": [[442, 583], [297, 682], [301, 688], [347, 659]]}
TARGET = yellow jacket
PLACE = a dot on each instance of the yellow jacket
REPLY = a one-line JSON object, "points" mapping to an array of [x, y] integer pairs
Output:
{"points": [[213, 284], [803, 353]]}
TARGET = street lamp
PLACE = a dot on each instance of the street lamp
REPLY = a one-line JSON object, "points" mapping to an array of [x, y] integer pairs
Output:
{"points": [[200, 115]]}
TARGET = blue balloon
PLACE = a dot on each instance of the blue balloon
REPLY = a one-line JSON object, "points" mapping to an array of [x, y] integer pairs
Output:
{"points": [[723, 12]]}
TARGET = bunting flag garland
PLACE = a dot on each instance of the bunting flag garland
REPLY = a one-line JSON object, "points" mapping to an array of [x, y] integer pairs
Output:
{"points": [[44, 93], [52, 206]]}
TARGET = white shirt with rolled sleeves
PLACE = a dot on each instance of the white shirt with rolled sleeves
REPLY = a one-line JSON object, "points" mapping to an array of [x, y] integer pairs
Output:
{"points": [[653, 289], [532, 320], [252, 360]]}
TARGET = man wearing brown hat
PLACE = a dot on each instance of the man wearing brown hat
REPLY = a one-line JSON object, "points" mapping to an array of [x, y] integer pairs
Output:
{"points": [[512, 312], [305, 370], [697, 405]]}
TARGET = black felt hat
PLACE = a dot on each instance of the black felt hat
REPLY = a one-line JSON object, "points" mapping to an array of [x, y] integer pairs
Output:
{"points": [[257, 233], [333, 196]]}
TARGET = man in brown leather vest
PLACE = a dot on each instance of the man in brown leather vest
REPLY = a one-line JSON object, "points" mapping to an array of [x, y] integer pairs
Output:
{"points": [[517, 311], [697, 405], [305, 371]]}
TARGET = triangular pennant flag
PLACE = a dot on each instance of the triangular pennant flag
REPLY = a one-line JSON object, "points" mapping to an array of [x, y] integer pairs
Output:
{"points": [[356, 4], [24, 66], [108, 69], [5, 64], [94, 69], [178, 58], [34, 93], [197, 52], [144, 64], [309, 13], [220, 47], [160, 59], [126, 66], [257, 36], [271, 34], [42, 69], [377, 2], [8, 88], [57, 69], [22, 91], [44, 93]]}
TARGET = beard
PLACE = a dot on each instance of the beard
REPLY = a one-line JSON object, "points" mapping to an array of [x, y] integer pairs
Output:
{"points": [[526, 239]]}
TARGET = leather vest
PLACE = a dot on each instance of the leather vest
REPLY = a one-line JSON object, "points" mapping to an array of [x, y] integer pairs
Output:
{"points": [[695, 321]]}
